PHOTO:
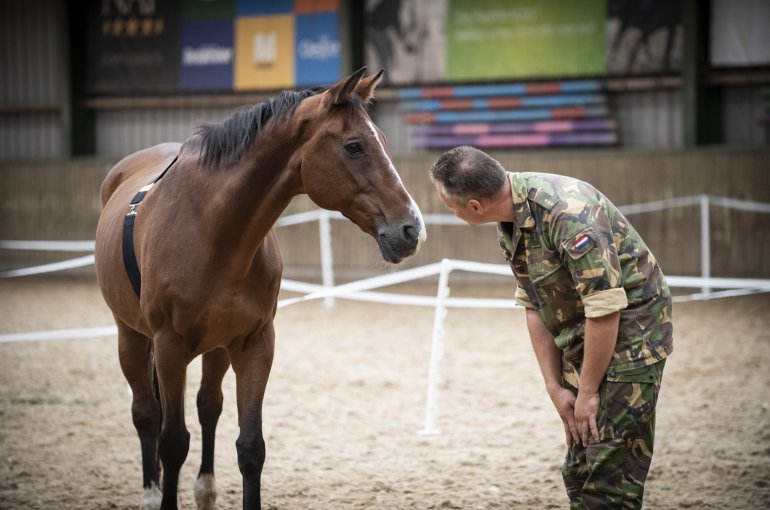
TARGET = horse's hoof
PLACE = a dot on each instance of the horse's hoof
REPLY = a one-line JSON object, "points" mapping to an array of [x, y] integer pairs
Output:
{"points": [[151, 498], [205, 492]]}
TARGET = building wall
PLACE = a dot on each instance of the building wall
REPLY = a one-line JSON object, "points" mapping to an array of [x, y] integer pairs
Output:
{"points": [[745, 116], [60, 200], [651, 119], [33, 80], [123, 131]]}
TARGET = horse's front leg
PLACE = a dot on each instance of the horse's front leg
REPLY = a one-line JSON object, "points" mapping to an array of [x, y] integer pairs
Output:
{"points": [[171, 360], [252, 359], [215, 365]]}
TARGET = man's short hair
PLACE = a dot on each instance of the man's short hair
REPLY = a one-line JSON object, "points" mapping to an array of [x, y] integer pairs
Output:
{"points": [[466, 172]]}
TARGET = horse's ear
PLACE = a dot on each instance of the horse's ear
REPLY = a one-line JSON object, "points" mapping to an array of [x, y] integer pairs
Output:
{"points": [[366, 86], [339, 93]]}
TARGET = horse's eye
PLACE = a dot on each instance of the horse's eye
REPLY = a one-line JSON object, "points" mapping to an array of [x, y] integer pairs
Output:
{"points": [[354, 149]]}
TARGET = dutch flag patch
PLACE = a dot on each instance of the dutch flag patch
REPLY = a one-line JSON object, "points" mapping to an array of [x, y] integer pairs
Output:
{"points": [[581, 242]]}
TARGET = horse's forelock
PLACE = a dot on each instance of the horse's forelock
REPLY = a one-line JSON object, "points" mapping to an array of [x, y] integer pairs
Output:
{"points": [[355, 105]]}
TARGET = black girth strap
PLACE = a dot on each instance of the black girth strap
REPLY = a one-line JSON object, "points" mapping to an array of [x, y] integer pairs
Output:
{"points": [[129, 257]]}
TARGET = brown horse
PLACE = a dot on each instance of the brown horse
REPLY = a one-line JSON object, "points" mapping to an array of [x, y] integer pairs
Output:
{"points": [[210, 265]]}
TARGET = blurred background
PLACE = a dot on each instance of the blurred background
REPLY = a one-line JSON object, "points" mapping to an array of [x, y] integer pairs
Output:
{"points": [[649, 100]]}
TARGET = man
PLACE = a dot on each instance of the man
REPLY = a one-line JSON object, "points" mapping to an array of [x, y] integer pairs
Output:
{"points": [[598, 312]]}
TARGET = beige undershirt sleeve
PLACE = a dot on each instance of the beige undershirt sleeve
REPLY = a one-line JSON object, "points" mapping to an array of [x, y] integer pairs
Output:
{"points": [[604, 302], [522, 299]]}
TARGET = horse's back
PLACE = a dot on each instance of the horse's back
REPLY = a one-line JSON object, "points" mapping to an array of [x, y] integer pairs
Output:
{"points": [[139, 167]]}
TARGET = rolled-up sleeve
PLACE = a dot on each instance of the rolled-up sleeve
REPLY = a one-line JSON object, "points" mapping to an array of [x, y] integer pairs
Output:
{"points": [[522, 299], [605, 302]]}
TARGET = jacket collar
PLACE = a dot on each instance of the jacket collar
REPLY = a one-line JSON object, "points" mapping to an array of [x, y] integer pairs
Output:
{"points": [[510, 233], [522, 213]]}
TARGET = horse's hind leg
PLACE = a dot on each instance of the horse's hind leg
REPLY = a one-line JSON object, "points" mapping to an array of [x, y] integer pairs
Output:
{"points": [[251, 362], [215, 365], [135, 354], [171, 360]]}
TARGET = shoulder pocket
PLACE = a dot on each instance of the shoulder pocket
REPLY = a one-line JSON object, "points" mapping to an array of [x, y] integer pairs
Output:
{"points": [[542, 198]]}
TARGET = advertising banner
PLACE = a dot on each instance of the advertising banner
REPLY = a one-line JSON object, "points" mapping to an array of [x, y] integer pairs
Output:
{"points": [[529, 38], [318, 49], [264, 7], [407, 38], [739, 33], [208, 9], [133, 47], [264, 52], [207, 55], [644, 37], [167, 46]]}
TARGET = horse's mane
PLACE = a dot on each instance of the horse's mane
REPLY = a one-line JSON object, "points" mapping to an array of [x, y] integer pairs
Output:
{"points": [[224, 143]]}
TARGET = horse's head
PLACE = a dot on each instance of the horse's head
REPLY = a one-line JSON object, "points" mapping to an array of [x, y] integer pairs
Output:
{"points": [[345, 167]]}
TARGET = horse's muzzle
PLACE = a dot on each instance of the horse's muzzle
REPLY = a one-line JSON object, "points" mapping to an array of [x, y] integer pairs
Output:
{"points": [[401, 242]]}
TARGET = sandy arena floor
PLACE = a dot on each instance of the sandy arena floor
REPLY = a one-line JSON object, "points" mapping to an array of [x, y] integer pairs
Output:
{"points": [[346, 400]]}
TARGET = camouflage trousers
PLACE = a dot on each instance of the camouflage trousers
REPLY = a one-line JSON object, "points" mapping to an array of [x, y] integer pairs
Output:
{"points": [[610, 472]]}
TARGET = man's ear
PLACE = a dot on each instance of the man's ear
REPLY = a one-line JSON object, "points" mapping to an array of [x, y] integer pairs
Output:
{"points": [[474, 204]]}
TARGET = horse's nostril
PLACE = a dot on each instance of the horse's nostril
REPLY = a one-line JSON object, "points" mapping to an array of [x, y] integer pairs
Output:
{"points": [[411, 232]]}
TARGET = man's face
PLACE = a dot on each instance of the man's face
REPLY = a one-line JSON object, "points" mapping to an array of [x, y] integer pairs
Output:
{"points": [[461, 210]]}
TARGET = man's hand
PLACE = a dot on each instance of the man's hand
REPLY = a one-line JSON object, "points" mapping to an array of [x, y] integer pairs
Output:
{"points": [[600, 338], [564, 401], [586, 411]]}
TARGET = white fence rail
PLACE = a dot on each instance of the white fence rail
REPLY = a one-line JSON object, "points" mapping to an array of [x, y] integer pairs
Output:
{"points": [[362, 290], [324, 220]]}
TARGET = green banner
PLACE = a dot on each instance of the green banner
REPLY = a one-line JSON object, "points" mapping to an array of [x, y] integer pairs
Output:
{"points": [[525, 39], [206, 10]]}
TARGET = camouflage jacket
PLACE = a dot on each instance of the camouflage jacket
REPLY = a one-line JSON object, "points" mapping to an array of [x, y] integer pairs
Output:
{"points": [[574, 256]]}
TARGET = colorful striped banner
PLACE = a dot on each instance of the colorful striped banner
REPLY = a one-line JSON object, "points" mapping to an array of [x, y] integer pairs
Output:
{"points": [[512, 89], [544, 114], [549, 126], [525, 140], [503, 102], [575, 112]]}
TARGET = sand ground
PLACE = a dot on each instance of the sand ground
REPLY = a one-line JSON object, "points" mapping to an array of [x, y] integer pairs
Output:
{"points": [[346, 399]]}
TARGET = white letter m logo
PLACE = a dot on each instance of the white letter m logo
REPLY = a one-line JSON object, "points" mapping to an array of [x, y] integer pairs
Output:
{"points": [[264, 53]]}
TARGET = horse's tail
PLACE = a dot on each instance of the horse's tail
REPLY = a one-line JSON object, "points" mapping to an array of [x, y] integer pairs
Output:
{"points": [[156, 391]]}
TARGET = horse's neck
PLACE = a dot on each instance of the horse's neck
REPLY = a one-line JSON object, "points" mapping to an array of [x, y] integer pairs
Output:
{"points": [[246, 202]]}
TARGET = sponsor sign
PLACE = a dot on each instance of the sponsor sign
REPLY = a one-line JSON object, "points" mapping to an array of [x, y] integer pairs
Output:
{"points": [[528, 38], [264, 52], [207, 55], [263, 7], [318, 49], [207, 9], [166, 46], [133, 46]]}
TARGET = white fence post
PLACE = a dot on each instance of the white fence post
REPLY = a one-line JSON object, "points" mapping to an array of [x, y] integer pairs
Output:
{"points": [[327, 262], [436, 351], [705, 242]]}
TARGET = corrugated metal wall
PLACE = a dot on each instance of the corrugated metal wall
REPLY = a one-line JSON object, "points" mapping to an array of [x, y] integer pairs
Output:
{"points": [[121, 132], [651, 118], [33, 83], [743, 109]]}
